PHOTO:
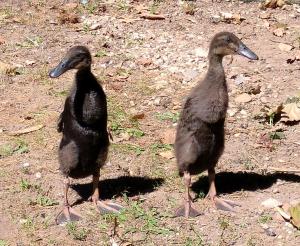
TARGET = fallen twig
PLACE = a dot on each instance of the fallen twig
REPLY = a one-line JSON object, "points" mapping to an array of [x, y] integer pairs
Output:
{"points": [[152, 16], [26, 130]]}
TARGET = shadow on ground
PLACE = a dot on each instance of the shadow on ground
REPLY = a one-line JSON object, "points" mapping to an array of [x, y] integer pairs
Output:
{"points": [[229, 182], [110, 188]]}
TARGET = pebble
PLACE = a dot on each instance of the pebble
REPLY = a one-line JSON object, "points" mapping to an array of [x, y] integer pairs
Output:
{"points": [[38, 175], [157, 101], [243, 98], [26, 164], [243, 112]]}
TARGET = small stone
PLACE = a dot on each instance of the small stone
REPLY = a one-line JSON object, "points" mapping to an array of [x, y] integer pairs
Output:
{"points": [[264, 99], [95, 26], [26, 164], [275, 191], [271, 203], [231, 112], [285, 47], [201, 52], [265, 15], [23, 221], [279, 32], [243, 112], [30, 62], [144, 62], [281, 161], [243, 98], [240, 79], [38, 175], [157, 101], [190, 74]]}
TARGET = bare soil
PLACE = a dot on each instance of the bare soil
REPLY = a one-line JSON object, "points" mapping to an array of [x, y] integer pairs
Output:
{"points": [[146, 67]]}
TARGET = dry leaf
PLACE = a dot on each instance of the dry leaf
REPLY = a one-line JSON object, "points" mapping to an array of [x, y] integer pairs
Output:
{"points": [[2, 40], [26, 130], [231, 18], [7, 69], [169, 154], [295, 213], [273, 4], [168, 136], [291, 112], [285, 47]]}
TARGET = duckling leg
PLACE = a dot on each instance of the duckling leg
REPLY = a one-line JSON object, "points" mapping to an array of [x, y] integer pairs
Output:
{"points": [[103, 207], [187, 210], [222, 204], [67, 213]]}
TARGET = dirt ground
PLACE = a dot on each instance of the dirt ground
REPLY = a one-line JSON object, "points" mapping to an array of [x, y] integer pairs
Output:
{"points": [[147, 67]]}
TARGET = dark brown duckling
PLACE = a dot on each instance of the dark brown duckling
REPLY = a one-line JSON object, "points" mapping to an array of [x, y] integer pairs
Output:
{"points": [[200, 133], [83, 123]]}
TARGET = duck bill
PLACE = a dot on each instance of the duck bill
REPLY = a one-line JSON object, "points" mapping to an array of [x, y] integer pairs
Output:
{"points": [[245, 51], [59, 70]]}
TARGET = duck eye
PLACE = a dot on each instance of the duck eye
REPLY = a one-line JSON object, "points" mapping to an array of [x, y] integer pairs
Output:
{"points": [[227, 39]]}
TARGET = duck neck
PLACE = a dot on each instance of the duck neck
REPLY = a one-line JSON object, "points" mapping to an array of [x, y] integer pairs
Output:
{"points": [[85, 75], [215, 67]]}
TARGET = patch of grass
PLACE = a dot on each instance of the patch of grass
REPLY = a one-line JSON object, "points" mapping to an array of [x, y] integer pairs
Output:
{"points": [[3, 242], [55, 93], [18, 147], [31, 42], [251, 242], [193, 242], [265, 218], [223, 222], [21, 147], [52, 242], [76, 233], [122, 5], [201, 194], [153, 9], [91, 7], [101, 53], [168, 116], [116, 114], [190, 8], [6, 13], [277, 135], [157, 147], [248, 164], [25, 185], [133, 132], [150, 218], [46, 201], [128, 148], [6, 150], [28, 224]]}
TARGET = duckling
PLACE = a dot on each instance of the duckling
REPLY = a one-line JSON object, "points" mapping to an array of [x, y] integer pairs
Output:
{"points": [[84, 145], [200, 132]]}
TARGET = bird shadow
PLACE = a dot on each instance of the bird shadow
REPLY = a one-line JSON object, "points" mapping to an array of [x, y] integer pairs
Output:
{"points": [[229, 182], [111, 188]]}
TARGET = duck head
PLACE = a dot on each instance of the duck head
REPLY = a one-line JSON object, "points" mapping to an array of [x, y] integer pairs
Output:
{"points": [[78, 57], [226, 43]]}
